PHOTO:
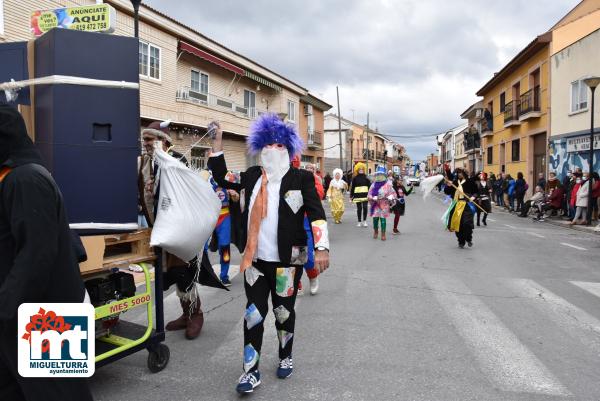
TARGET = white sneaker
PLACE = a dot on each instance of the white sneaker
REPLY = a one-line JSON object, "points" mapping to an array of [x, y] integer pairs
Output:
{"points": [[365, 224], [314, 285], [359, 224]]}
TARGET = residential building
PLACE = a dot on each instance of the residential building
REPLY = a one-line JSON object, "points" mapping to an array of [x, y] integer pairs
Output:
{"points": [[575, 55], [432, 163], [472, 136], [395, 154], [449, 148], [460, 156], [191, 80], [518, 99], [311, 126], [359, 145]]}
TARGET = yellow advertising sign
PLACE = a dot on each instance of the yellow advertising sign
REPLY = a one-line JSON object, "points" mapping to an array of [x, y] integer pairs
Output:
{"points": [[95, 18]]}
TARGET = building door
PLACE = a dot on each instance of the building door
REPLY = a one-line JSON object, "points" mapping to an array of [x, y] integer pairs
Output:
{"points": [[539, 155], [502, 157]]}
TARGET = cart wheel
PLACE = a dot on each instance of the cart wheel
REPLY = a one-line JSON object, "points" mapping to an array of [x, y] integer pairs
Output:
{"points": [[158, 358]]}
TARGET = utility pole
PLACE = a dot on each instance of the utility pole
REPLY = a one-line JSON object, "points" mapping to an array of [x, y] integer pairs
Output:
{"points": [[340, 128]]}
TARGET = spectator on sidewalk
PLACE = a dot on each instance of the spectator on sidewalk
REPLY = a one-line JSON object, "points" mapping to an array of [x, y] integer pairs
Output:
{"points": [[556, 199], [568, 187], [574, 185], [595, 194], [536, 199], [581, 200], [552, 182], [498, 191], [521, 188], [541, 181], [509, 193]]}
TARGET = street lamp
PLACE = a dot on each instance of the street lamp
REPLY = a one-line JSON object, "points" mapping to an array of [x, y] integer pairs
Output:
{"points": [[592, 82]]}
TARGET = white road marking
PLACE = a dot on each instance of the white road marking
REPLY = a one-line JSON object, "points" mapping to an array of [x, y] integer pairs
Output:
{"points": [[577, 322], [573, 246], [509, 226], [492, 220], [592, 288], [503, 358], [535, 234]]}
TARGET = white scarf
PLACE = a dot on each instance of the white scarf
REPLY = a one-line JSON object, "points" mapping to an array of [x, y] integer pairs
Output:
{"points": [[337, 183], [276, 163]]}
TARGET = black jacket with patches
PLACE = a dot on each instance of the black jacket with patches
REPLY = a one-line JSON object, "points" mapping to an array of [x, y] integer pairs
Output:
{"points": [[290, 230], [37, 259]]}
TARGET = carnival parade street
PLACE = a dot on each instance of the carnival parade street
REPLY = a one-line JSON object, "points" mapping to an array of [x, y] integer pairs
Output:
{"points": [[515, 317]]}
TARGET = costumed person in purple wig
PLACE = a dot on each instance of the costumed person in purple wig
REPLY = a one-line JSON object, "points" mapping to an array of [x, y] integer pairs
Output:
{"points": [[274, 198], [381, 196]]}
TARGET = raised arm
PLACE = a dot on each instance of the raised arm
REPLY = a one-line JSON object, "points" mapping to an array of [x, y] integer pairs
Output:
{"points": [[217, 164]]}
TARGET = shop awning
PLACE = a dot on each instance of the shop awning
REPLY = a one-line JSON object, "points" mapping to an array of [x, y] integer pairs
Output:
{"points": [[186, 47], [263, 81]]}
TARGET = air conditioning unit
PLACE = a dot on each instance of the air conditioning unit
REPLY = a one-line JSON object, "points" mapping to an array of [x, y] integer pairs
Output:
{"points": [[308, 109]]}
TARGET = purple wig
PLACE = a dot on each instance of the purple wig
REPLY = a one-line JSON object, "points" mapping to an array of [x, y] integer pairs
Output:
{"points": [[267, 129]]}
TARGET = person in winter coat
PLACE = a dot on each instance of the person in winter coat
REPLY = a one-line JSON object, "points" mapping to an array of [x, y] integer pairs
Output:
{"points": [[509, 193], [37, 259], [359, 191], [381, 196], [582, 194], [483, 198], [536, 199], [399, 206], [595, 194], [552, 182], [520, 190], [499, 190], [556, 198]]}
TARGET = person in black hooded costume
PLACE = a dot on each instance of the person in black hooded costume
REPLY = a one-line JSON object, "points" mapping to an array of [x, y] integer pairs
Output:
{"points": [[37, 258]]}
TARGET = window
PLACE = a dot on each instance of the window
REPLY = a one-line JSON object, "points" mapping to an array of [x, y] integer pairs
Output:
{"points": [[199, 82], [579, 95], [149, 60], [490, 155], [291, 106], [250, 102], [516, 150], [306, 159], [502, 102]]}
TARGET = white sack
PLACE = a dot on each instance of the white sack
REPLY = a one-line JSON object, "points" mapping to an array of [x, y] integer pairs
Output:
{"points": [[188, 208]]}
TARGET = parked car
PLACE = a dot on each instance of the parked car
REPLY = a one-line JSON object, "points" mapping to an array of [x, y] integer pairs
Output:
{"points": [[414, 181]]}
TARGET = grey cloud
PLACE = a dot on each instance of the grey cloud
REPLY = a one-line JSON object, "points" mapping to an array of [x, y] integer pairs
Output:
{"points": [[406, 45]]}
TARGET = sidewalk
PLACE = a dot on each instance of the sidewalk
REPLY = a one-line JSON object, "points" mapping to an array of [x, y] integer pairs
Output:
{"points": [[558, 221]]}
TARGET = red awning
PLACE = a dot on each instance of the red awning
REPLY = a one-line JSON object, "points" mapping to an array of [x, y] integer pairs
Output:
{"points": [[186, 47]]}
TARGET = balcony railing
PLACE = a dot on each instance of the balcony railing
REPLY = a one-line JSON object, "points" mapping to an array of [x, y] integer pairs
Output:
{"points": [[511, 116], [217, 102], [530, 101], [379, 156], [315, 138]]}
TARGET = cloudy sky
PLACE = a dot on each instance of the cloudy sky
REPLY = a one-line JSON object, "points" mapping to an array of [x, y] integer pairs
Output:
{"points": [[414, 65]]}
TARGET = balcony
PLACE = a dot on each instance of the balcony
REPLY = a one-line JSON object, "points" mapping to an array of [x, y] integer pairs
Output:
{"points": [[189, 95], [315, 139], [379, 156], [511, 116], [472, 143], [529, 105]]}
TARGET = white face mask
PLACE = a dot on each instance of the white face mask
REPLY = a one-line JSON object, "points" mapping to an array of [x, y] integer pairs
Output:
{"points": [[276, 162]]}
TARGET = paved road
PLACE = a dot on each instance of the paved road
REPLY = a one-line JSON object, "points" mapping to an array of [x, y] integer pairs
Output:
{"points": [[516, 317]]}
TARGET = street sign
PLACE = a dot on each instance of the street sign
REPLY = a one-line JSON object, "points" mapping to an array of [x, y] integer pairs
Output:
{"points": [[95, 18], [582, 143]]}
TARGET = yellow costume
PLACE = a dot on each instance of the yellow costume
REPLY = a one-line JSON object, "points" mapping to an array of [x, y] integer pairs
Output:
{"points": [[335, 194]]}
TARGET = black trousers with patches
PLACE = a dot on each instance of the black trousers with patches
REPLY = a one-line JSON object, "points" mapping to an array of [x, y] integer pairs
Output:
{"points": [[465, 234], [361, 210], [282, 284]]}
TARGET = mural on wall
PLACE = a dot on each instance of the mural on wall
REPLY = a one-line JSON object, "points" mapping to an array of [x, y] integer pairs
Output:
{"points": [[561, 160]]}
